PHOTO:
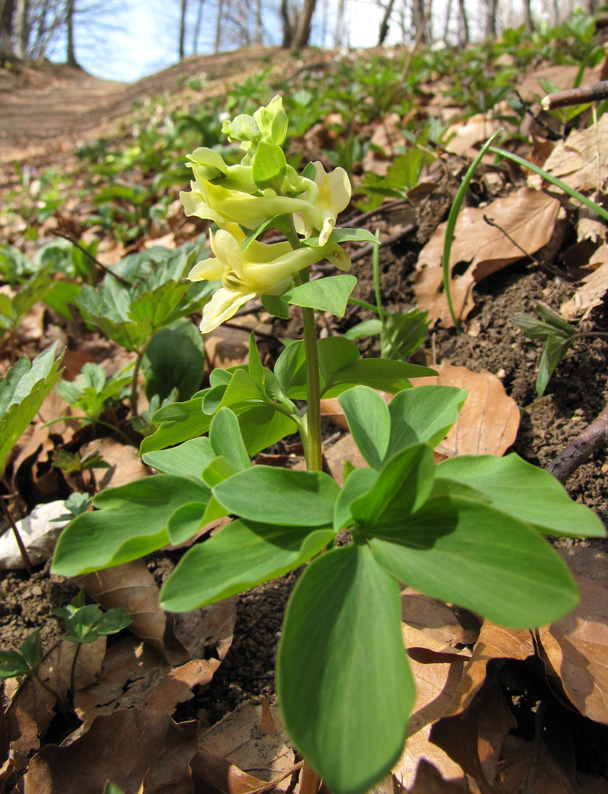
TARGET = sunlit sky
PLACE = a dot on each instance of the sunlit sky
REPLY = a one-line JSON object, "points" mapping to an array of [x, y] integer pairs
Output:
{"points": [[141, 36]]}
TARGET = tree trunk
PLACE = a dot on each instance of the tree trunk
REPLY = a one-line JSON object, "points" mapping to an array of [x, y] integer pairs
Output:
{"points": [[218, 26], [463, 24], [528, 21], [491, 18], [182, 29], [69, 24], [287, 27], [303, 29], [446, 28], [418, 18], [22, 29], [197, 26], [340, 33], [6, 30], [384, 25]]}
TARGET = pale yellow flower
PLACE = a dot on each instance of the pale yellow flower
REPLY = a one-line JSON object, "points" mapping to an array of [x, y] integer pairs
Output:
{"points": [[333, 196], [216, 203], [260, 270]]}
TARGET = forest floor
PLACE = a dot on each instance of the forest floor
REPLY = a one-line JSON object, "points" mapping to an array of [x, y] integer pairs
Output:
{"points": [[538, 739]]}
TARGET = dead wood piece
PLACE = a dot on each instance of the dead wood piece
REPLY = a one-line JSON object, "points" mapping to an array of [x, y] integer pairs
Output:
{"points": [[576, 96], [592, 439]]}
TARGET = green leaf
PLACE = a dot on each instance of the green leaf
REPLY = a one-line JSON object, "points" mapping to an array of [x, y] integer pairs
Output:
{"points": [[13, 664], [31, 650], [262, 426], [131, 521], [379, 373], [328, 294], [366, 328], [185, 460], [275, 306], [344, 235], [403, 334], [227, 441], [424, 414], [241, 556], [470, 554], [186, 521], [346, 711], [359, 482], [404, 483], [22, 392], [555, 350], [525, 492], [368, 421], [280, 496], [175, 358], [178, 422]]}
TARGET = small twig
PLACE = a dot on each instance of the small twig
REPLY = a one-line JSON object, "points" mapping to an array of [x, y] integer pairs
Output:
{"points": [[27, 563], [273, 783], [492, 222], [592, 439], [67, 236], [576, 96], [262, 334]]}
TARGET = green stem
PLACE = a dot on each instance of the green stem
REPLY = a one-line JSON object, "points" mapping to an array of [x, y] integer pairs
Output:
{"points": [[364, 305], [135, 378], [314, 458]]}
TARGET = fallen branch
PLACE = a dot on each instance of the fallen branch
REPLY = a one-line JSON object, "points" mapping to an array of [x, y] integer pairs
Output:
{"points": [[592, 439], [576, 96]]}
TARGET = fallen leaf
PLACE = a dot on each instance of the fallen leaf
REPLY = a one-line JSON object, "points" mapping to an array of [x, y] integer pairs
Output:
{"points": [[575, 648], [32, 708], [489, 420], [239, 739], [531, 767], [429, 781], [124, 747], [594, 287], [135, 676], [211, 626], [125, 463], [494, 642], [526, 216], [431, 624], [228, 346], [465, 135], [214, 775], [564, 76], [419, 749], [474, 738], [582, 158], [337, 454]]}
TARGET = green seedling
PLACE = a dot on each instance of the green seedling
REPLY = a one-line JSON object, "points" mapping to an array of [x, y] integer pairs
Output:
{"points": [[469, 530], [22, 392], [557, 335], [73, 466], [93, 392], [400, 334], [76, 504]]}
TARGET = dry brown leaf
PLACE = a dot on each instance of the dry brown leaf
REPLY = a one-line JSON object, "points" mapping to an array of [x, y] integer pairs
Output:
{"points": [[489, 420], [237, 739], [228, 346], [594, 287], [132, 587], [386, 136], [337, 454], [575, 648], [125, 463], [474, 739], [429, 781], [494, 642], [125, 747], [431, 624], [32, 707], [419, 749], [209, 626], [532, 768], [437, 677], [564, 76], [527, 216], [465, 135], [135, 676], [575, 160], [214, 775]]}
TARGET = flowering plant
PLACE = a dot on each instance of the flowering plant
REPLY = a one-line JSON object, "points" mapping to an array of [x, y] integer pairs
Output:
{"points": [[467, 530]]}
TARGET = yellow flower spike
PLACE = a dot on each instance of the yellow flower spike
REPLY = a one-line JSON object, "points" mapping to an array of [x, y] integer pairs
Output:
{"points": [[260, 270], [223, 206], [334, 196]]}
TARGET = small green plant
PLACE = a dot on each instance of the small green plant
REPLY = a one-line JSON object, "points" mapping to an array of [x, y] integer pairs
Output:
{"points": [[92, 391], [557, 335], [468, 530]]}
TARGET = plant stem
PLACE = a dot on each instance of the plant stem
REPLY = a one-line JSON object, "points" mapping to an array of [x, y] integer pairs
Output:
{"points": [[49, 689], [313, 449], [27, 563], [135, 378], [72, 691]]}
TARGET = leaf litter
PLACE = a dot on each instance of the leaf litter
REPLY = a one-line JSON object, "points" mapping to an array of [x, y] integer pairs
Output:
{"points": [[485, 719]]}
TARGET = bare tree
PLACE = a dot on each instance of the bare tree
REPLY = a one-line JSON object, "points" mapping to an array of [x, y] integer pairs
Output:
{"points": [[22, 28], [384, 24], [7, 8], [463, 24], [418, 18], [70, 7], [528, 21], [197, 25], [302, 34], [182, 28], [491, 9]]}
